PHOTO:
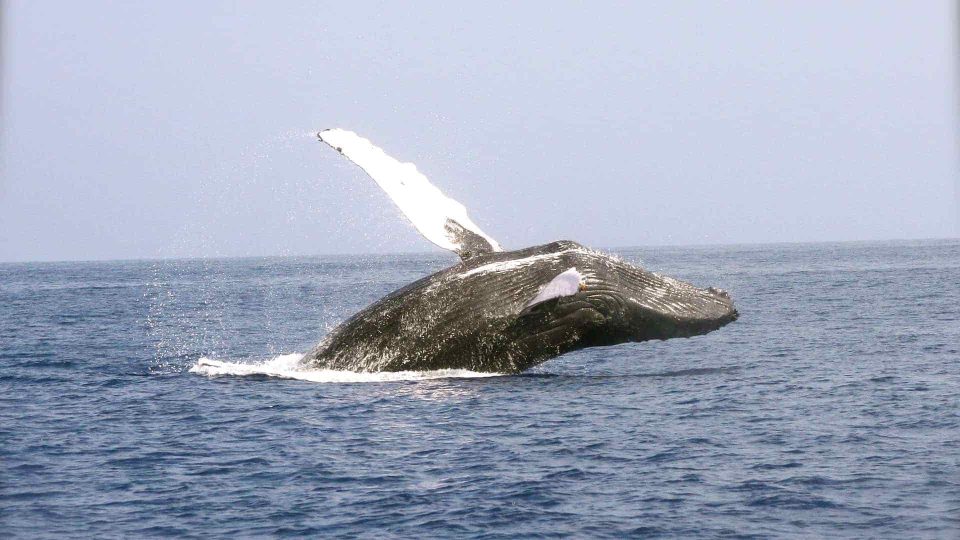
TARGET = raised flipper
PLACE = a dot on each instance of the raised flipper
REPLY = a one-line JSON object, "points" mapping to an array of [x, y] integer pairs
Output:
{"points": [[439, 218]]}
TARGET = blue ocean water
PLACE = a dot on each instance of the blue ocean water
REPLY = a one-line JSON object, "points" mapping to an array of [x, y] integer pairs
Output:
{"points": [[830, 409]]}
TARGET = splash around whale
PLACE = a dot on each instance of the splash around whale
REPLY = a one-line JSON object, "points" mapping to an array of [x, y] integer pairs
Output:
{"points": [[501, 311]]}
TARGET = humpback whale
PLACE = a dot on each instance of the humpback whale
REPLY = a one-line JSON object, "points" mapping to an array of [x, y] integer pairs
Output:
{"points": [[502, 311]]}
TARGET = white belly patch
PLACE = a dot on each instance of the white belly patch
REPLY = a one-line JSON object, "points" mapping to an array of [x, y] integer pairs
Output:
{"points": [[567, 283]]}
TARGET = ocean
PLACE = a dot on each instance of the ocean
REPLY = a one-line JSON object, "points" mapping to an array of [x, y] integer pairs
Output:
{"points": [[831, 408]]}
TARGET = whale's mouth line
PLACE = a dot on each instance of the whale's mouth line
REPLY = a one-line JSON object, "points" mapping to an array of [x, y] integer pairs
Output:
{"points": [[604, 315]]}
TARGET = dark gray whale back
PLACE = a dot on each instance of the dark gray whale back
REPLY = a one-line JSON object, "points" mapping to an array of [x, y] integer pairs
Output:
{"points": [[475, 315]]}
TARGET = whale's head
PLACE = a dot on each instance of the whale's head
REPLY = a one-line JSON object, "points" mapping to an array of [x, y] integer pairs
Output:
{"points": [[586, 298]]}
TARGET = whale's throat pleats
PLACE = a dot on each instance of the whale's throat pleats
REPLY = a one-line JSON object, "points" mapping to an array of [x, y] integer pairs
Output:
{"points": [[439, 218]]}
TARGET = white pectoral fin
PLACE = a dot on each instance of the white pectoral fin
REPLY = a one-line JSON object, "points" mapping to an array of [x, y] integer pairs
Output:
{"points": [[439, 218], [567, 283]]}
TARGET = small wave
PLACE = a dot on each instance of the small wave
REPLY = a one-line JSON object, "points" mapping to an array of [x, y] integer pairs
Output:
{"points": [[288, 366]]}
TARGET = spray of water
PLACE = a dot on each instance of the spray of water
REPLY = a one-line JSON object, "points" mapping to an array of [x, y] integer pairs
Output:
{"points": [[289, 366]]}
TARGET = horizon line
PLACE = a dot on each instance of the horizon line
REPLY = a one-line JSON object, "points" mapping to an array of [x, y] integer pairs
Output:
{"points": [[438, 251]]}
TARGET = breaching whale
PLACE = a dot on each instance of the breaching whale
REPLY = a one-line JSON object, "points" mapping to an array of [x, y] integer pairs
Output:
{"points": [[502, 311]]}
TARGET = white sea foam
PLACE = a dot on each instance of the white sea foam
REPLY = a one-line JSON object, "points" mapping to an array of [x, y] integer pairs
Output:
{"points": [[288, 366]]}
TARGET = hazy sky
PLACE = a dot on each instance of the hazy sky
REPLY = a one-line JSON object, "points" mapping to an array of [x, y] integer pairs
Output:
{"points": [[168, 129]]}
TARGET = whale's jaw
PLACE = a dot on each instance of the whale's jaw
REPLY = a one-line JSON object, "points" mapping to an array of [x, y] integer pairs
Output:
{"points": [[619, 303]]}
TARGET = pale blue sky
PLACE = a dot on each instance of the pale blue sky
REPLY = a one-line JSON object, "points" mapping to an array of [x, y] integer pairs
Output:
{"points": [[181, 129]]}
